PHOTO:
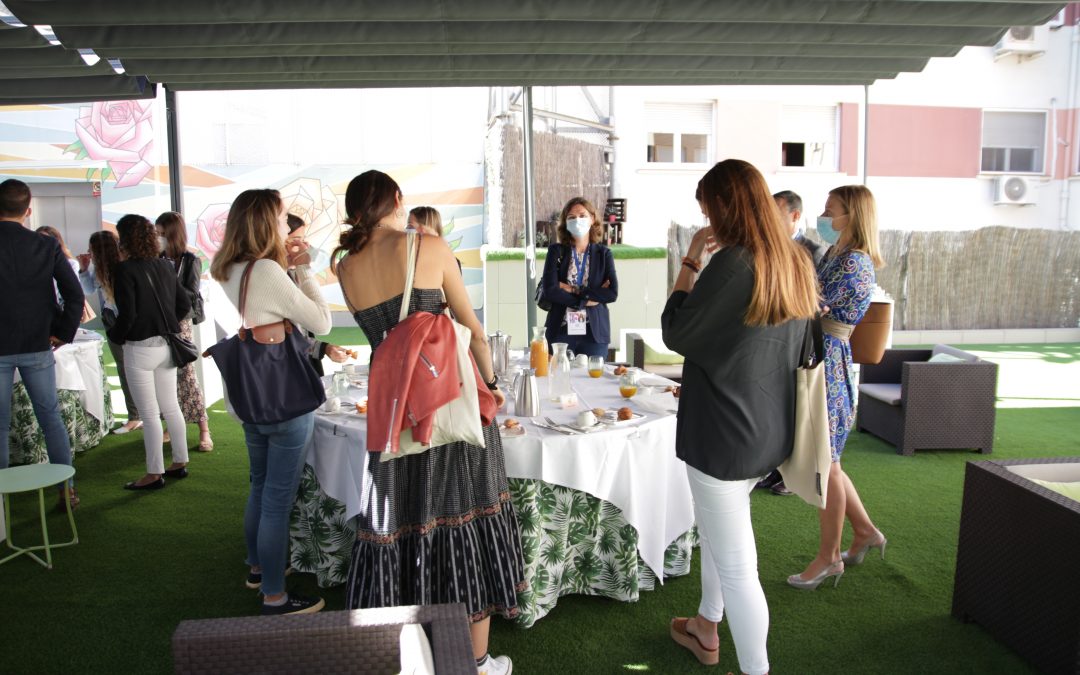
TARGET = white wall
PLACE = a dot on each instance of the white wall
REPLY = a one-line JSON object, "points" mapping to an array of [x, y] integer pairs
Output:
{"points": [[747, 126]]}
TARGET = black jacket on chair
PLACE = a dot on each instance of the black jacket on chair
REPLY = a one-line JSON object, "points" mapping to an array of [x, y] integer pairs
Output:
{"points": [[29, 264], [138, 315], [737, 403]]}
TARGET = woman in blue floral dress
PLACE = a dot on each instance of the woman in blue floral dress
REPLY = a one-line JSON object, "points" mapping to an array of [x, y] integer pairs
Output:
{"points": [[847, 278]]}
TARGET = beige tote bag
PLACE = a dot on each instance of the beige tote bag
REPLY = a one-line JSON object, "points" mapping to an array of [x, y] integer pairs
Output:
{"points": [[458, 420], [806, 471]]}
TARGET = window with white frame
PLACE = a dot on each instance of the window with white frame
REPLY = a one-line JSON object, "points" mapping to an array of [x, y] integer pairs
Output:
{"points": [[679, 133], [1013, 141], [808, 135]]}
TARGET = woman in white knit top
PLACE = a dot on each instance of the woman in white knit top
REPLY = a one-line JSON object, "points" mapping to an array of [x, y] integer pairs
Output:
{"points": [[256, 230]]}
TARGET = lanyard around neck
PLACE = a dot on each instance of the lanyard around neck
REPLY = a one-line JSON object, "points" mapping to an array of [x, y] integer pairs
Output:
{"points": [[580, 264]]}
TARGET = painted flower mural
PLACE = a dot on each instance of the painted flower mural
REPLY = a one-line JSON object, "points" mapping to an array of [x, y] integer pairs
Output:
{"points": [[210, 228], [322, 210], [122, 134]]}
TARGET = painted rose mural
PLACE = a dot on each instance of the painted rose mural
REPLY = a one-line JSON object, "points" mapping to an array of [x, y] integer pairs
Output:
{"points": [[122, 134], [210, 228], [322, 210]]}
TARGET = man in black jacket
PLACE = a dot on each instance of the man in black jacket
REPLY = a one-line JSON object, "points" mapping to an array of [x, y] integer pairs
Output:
{"points": [[33, 323]]}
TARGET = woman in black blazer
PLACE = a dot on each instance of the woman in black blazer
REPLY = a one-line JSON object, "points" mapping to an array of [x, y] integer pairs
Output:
{"points": [[149, 304], [740, 323], [579, 280]]}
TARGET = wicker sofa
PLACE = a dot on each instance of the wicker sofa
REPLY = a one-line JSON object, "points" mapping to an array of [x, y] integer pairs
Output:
{"points": [[1017, 559], [914, 403], [360, 641]]}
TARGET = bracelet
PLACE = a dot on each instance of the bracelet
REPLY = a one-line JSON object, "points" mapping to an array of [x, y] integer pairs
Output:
{"points": [[692, 263], [690, 266], [494, 384]]}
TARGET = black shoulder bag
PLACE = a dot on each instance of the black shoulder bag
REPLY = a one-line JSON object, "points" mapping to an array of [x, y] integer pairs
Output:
{"points": [[183, 351], [542, 301]]}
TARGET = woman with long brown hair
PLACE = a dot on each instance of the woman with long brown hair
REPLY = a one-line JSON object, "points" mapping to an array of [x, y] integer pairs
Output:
{"points": [[425, 510], [172, 234], [847, 279], [96, 270], [255, 230], [740, 323], [150, 302]]}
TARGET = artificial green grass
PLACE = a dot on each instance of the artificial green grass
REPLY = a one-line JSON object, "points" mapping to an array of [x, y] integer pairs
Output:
{"points": [[146, 561]]}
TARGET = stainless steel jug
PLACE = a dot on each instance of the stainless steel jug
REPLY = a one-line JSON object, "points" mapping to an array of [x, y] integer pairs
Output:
{"points": [[499, 343], [526, 394]]}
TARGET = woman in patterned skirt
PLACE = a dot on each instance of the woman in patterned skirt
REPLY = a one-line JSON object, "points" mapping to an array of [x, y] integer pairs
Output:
{"points": [[172, 234], [846, 275], [434, 527]]}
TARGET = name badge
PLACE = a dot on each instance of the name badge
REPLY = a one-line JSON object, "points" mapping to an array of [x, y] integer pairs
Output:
{"points": [[575, 322]]}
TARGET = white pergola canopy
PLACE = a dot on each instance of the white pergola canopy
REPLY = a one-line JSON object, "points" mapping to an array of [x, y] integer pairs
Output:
{"points": [[276, 44]]}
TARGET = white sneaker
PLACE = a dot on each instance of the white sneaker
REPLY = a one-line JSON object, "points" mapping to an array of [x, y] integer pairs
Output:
{"points": [[497, 665]]}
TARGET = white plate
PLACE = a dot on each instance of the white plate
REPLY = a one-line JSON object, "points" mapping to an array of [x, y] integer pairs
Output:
{"points": [[662, 403], [516, 432], [617, 422], [655, 382]]}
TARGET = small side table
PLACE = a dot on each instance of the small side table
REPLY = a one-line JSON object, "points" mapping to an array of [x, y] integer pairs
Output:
{"points": [[36, 477]]}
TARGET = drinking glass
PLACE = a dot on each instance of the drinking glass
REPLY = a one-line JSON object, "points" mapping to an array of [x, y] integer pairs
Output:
{"points": [[596, 366], [628, 383]]}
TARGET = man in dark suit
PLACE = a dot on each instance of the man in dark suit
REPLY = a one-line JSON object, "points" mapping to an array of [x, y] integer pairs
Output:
{"points": [[34, 324], [791, 207]]}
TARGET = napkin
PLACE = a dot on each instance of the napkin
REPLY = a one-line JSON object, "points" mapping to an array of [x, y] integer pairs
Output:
{"points": [[663, 404]]}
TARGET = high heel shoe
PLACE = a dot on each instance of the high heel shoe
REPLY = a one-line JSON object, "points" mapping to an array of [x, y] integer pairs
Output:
{"points": [[853, 557], [835, 570]]}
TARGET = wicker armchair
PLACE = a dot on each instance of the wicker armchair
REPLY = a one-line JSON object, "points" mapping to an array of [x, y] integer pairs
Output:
{"points": [[1016, 559], [360, 641], [916, 404]]}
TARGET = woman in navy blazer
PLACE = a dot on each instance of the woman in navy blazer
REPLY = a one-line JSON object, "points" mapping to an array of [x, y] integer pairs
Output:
{"points": [[579, 276]]}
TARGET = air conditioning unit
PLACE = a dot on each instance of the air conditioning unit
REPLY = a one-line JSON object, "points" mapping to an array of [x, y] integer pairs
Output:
{"points": [[1025, 41], [1014, 190]]}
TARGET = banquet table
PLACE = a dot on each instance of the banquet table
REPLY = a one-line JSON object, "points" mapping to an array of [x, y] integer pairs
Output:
{"points": [[84, 402], [603, 513]]}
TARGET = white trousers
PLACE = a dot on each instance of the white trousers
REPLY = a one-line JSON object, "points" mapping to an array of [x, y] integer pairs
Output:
{"points": [[151, 378], [729, 573]]}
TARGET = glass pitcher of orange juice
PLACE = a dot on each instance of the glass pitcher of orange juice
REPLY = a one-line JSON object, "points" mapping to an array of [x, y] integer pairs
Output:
{"points": [[628, 382], [538, 352]]}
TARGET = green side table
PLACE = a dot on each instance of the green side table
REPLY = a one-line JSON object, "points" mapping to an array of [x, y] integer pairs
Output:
{"points": [[36, 477]]}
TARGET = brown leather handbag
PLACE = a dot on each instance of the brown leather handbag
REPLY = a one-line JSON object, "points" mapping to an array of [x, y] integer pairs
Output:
{"points": [[871, 334]]}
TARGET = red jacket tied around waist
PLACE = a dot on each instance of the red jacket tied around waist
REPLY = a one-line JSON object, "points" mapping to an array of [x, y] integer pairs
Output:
{"points": [[414, 372]]}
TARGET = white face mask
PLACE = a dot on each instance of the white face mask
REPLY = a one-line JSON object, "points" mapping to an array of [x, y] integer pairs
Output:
{"points": [[162, 243], [579, 227]]}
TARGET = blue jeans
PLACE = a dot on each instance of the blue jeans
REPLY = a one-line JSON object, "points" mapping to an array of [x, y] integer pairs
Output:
{"points": [[277, 453], [39, 378]]}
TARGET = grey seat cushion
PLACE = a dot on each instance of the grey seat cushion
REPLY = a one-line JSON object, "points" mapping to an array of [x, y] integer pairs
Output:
{"points": [[886, 393], [953, 351], [672, 372]]}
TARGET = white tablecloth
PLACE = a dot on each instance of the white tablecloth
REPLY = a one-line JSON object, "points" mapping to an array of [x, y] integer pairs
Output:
{"points": [[632, 466], [78, 368]]}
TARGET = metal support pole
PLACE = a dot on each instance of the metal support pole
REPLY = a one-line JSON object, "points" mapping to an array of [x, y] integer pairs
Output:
{"points": [[530, 217], [865, 131], [172, 131]]}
